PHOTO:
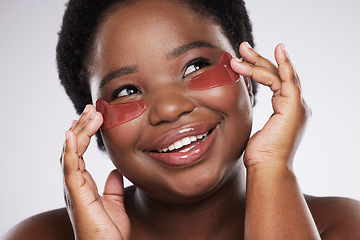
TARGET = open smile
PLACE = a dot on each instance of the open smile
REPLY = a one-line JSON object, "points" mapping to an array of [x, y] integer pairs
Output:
{"points": [[189, 149], [185, 144]]}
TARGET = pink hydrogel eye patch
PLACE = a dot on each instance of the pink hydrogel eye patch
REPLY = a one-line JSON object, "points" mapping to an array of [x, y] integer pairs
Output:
{"points": [[119, 113], [219, 75]]}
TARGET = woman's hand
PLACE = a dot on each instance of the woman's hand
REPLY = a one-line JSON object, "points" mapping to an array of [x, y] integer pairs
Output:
{"points": [[276, 143], [92, 216], [275, 205]]}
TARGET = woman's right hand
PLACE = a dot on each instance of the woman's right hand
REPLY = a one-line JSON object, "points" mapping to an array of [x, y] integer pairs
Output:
{"points": [[92, 216]]}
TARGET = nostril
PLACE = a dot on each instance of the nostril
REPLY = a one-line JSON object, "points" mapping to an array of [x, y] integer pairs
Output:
{"points": [[169, 108]]}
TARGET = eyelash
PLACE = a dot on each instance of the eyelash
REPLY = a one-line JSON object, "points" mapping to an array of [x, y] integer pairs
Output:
{"points": [[117, 92], [198, 64]]}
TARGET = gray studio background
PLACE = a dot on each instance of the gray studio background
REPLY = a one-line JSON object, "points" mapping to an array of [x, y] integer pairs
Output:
{"points": [[322, 37]]}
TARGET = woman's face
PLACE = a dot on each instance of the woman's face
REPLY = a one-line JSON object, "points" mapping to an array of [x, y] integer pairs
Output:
{"points": [[149, 51]]}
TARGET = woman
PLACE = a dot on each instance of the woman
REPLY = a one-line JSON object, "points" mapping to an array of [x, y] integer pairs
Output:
{"points": [[151, 52]]}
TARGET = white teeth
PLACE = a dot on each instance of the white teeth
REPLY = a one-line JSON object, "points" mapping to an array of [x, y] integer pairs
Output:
{"points": [[193, 138], [183, 142], [178, 144], [186, 141], [201, 136]]}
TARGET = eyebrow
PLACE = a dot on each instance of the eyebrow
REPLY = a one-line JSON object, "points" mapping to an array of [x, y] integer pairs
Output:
{"points": [[187, 47], [118, 73]]}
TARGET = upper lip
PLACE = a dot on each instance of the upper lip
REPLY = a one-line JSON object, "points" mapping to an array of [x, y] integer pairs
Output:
{"points": [[168, 138]]}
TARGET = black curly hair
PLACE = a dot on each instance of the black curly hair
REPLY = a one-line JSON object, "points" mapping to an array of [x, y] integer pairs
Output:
{"points": [[82, 18]]}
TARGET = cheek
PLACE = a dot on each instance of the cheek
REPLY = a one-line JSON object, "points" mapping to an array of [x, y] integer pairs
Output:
{"points": [[231, 99], [224, 89], [120, 142], [233, 102]]}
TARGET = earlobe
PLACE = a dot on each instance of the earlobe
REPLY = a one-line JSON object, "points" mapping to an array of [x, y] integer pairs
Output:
{"points": [[248, 83]]}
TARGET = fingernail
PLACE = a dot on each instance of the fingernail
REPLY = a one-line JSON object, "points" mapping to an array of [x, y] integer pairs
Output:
{"points": [[282, 45], [237, 60], [248, 45], [86, 109]]}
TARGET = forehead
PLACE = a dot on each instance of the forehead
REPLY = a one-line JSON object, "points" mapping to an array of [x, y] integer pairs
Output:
{"points": [[153, 28]]}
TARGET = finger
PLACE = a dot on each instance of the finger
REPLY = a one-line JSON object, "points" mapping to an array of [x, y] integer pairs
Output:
{"points": [[287, 72], [71, 168], [84, 118], [283, 60], [114, 187], [251, 56], [259, 74], [70, 152], [82, 165], [88, 130], [63, 149], [77, 180], [114, 192], [73, 123]]}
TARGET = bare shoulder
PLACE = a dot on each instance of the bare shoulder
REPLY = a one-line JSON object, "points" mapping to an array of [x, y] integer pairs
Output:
{"points": [[48, 225], [336, 218]]}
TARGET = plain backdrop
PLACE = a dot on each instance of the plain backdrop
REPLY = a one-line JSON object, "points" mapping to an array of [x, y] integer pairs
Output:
{"points": [[321, 36]]}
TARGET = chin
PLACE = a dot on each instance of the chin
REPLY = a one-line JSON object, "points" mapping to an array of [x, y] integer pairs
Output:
{"points": [[196, 186]]}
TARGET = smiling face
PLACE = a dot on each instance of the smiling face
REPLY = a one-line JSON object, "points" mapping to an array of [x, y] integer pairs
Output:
{"points": [[187, 142]]}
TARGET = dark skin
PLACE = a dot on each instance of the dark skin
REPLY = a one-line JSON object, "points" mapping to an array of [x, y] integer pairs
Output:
{"points": [[205, 200]]}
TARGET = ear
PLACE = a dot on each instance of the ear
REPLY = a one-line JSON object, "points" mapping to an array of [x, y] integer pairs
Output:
{"points": [[248, 83]]}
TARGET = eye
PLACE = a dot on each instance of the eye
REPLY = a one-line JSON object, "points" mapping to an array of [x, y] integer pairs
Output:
{"points": [[195, 65], [125, 91]]}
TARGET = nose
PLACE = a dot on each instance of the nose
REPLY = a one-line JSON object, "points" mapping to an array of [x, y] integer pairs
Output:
{"points": [[167, 105]]}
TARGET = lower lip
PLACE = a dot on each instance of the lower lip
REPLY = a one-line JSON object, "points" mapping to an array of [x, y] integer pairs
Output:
{"points": [[186, 159]]}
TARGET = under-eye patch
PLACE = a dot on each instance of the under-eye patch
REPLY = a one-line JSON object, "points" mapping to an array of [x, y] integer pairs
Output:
{"points": [[219, 75], [119, 113]]}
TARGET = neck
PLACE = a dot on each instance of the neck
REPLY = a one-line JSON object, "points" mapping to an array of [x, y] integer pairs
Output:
{"points": [[219, 216]]}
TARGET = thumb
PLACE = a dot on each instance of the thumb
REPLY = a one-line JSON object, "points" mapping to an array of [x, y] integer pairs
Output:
{"points": [[114, 187]]}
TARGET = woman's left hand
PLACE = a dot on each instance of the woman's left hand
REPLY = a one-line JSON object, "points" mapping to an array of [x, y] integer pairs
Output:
{"points": [[276, 143], [275, 205]]}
